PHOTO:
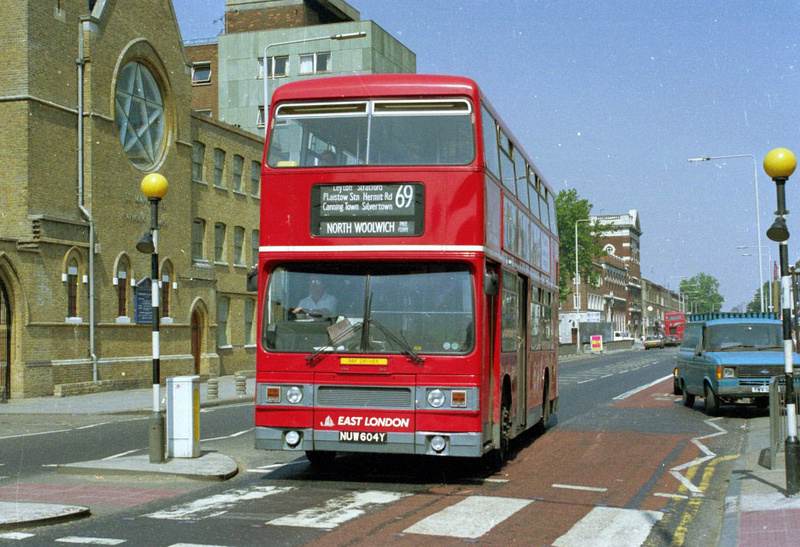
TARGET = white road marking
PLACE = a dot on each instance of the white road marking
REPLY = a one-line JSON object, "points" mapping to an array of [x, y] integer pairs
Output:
{"points": [[640, 388], [573, 487], [673, 496], [16, 535], [338, 510], [611, 526], [216, 505], [238, 434], [121, 454], [90, 541], [709, 455], [470, 518]]}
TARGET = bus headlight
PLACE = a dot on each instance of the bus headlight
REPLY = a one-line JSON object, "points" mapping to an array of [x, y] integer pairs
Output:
{"points": [[435, 398], [294, 395], [292, 438], [438, 443]]}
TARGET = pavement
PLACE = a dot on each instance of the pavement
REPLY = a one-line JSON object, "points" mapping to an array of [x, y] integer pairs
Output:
{"points": [[758, 513], [208, 466]]}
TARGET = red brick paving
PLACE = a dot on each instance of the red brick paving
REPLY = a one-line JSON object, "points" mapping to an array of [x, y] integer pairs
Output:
{"points": [[777, 528]]}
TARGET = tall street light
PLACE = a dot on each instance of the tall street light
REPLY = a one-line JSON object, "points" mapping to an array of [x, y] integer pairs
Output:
{"points": [[764, 307], [779, 164], [344, 36], [758, 213], [154, 187], [577, 300]]}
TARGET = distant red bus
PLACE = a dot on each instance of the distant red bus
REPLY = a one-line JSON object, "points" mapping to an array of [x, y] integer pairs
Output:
{"points": [[673, 324], [408, 273]]}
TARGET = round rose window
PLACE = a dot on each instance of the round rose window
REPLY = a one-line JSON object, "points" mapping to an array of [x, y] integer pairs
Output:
{"points": [[140, 115]]}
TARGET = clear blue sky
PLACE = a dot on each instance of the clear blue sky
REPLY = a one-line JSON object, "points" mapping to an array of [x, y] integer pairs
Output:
{"points": [[611, 98]]}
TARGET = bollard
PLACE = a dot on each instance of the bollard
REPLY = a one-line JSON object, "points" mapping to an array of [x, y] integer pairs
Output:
{"points": [[241, 386], [213, 388]]}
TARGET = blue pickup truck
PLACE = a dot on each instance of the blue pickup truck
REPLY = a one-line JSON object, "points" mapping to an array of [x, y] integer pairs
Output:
{"points": [[729, 357]]}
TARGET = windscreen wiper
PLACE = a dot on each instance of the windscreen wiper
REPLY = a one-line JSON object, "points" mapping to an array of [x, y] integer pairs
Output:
{"points": [[404, 346], [346, 333]]}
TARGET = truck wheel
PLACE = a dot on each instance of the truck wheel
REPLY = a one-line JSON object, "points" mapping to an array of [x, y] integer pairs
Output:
{"points": [[712, 403], [688, 398]]}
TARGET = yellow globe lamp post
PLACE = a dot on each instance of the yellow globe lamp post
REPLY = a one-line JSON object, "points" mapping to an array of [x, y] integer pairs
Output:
{"points": [[779, 164], [154, 187]]}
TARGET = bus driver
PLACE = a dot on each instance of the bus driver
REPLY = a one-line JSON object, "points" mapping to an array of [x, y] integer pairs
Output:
{"points": [[319, 303]]}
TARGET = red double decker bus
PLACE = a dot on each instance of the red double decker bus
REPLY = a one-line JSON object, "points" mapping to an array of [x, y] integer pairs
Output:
{"points": [[408, 273], [673, 324]]}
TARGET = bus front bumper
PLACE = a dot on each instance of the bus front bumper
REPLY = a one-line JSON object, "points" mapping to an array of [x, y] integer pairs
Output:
{"points": [[467, 445]]}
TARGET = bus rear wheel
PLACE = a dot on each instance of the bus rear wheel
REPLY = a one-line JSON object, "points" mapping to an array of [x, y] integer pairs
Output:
{"points": [[545, 422]]}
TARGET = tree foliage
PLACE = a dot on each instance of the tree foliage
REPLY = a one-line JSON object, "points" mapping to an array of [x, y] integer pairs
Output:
{"points": [[569, 209], [702, 293]]}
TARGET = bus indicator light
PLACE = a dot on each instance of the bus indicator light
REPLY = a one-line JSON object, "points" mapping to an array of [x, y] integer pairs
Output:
{"points": [[273, 394], [458, 398]]}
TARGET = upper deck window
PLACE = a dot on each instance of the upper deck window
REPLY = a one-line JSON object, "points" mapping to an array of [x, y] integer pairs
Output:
{"points": [[381, 132]]}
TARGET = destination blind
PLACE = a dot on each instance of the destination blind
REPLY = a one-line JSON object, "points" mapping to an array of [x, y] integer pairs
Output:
{"points": [[368, 210]]}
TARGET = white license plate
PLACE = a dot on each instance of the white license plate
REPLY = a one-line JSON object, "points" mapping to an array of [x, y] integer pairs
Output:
{"points": [[366, 437], [760, 389]]}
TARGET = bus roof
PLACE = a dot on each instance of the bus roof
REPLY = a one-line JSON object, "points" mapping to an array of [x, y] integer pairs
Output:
{"points": [[376, 85]]}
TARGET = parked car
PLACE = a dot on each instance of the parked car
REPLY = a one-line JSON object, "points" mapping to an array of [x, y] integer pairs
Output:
{"points": [[671, 340], [653, 342], [730, 357]]}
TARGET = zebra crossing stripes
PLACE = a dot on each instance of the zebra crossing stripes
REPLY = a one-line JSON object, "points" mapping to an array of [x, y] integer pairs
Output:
{"points": [[471, 518], [218, 504], [338, 510], [611, 526]]}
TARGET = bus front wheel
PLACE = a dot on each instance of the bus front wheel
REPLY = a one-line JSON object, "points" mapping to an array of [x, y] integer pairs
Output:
{"points": [[320, 458]]}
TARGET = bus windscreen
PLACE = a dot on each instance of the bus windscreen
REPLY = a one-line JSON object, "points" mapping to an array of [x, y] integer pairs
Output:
{"points": [[365, 308]]}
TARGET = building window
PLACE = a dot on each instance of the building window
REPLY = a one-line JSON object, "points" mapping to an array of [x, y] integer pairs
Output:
{"points": [[315, 63], [219, 243], [260, 121], [139, 112], [277, 67], [255, 178], [198, 159], [238, 245], [223, 306], [122, 287], [72, 288], [201, 73], [219, 168], [166, 288], [198, 236], [254, 248], [238, 167], [249, 313]]}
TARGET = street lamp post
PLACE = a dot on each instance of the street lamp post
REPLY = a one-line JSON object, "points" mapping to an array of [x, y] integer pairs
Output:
{"points": [[764, 307], [344, 36], [779, 164], [577, 300], [758, 213], [154, 187]]}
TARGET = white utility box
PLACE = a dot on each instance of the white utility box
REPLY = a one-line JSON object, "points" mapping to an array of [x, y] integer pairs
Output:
{"points": [[183, 417]]}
